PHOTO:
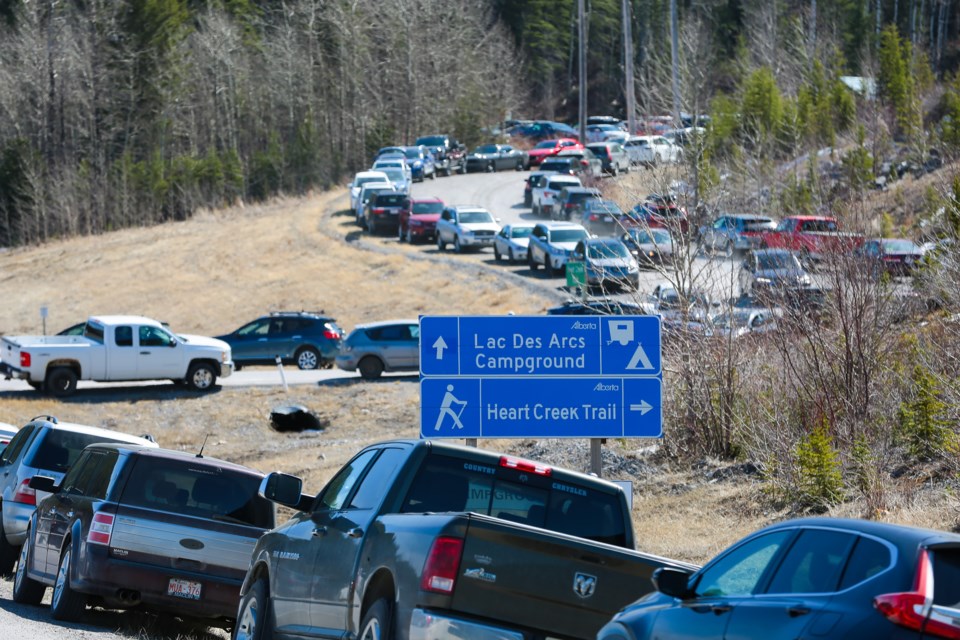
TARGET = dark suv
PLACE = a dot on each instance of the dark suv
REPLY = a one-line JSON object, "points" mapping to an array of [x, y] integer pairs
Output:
{"points": [[309, 339], [383, 210], [570, 201], [134, 526]]}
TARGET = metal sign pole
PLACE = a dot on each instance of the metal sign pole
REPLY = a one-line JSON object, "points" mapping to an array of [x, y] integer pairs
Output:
{"points": [[596, 460]]}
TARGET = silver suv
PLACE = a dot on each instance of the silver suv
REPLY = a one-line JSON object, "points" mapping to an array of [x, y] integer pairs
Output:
{"points": [[41, 447], [373, 348]]}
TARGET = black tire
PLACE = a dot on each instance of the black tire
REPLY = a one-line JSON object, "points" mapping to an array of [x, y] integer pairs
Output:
{"points": [[548, 266], [36, 385], [496, 253], [255, 619], [8, 552], [441, 245], [456, 245], [519, 166], [307, 359], [511, 258], [491, 168], [26, 590], [201, 376], [530, 261], [377, 623], [66, 605], [614, 170], [370, 368], [61, 381]]}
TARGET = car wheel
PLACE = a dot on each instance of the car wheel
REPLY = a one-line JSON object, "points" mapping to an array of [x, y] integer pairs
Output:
{"points": [[26, 590], [531, 262], [308, 358], [66, 604], [441, 245], [614, 170], [456, 245], [491, 168], [377, 622], [201, 376], [519, 166], [8, 552], [548, 266], [463, 168], [511, 257], [496, 253], [370, 368], [255, 620], [61, 381]]}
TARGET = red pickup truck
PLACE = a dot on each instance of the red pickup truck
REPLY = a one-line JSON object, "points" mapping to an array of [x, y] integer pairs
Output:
{"points": [[812, 237]]}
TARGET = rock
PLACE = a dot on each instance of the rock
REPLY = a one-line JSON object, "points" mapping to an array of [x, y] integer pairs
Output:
{"points": [[295, 418]]}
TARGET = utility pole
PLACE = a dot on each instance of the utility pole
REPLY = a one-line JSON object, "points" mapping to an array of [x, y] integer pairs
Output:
{"points": [[582, 22], [628, 69], [675, 51]]}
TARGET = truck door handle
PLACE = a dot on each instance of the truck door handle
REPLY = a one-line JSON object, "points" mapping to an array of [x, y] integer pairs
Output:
{"points": [[721, 608], [356, 532], [319, 531], [797, 610], [144, 353]]}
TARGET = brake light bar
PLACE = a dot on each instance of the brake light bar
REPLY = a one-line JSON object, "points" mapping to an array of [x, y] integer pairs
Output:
{"points": [[442, 565], [912, 609], [509, 462], [100, 529], [25, 494]]}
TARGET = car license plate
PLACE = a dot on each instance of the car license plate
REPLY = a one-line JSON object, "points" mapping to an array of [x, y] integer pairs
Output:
{"points": [[183, 589], [607, 219]]}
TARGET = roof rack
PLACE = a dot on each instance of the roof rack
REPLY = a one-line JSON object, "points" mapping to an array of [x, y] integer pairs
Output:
{"points": [[301, 312]]}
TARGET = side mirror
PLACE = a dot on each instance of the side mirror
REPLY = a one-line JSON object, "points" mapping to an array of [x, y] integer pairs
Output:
{"points": [[672, 582], [497, 220], [285, 489], [43, 483]]}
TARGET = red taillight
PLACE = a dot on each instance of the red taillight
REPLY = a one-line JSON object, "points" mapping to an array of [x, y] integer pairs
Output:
{"points": [[330, 334], [912, 609], [442, 565], [529, 466], [594, 217], [379, 212], [24, 358], [100, 529], [25, 494]]}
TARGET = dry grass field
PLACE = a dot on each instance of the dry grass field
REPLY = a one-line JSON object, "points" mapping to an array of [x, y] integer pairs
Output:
{"points": [[212, 273]]}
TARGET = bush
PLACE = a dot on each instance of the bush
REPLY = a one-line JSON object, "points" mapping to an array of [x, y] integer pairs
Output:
{"points": [[819, 477]]}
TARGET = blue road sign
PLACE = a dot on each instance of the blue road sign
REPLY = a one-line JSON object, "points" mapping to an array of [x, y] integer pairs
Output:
{"points": [[540, 376], [510, 346]]}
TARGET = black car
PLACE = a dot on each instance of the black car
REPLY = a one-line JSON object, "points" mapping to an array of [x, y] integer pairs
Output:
{"points": [[570, 166], [570, 201], [382, 211], [493, 157], [812, 578], [131, 525], [309, 339]]}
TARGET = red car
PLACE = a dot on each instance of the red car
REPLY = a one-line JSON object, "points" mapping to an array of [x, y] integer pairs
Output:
{"points": [[419, 222], [549, 148], [658, 211]]}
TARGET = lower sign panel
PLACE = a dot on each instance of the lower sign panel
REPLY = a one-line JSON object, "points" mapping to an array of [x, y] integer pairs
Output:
{"points": [[540, 408]]}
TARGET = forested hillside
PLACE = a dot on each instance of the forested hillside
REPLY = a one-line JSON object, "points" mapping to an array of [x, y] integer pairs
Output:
{"points": [[121, 113]]}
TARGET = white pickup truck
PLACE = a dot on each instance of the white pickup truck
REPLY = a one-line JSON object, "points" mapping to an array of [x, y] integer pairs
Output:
{"points": [[115, 348]]}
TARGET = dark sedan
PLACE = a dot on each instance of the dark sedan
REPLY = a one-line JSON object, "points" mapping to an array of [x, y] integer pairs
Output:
{"points": [[812, 578], [494, 157], [895, 256]]}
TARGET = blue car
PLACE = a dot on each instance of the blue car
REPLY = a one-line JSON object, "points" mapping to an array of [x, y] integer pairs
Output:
{"points": [[309, 340], [421, 161]]}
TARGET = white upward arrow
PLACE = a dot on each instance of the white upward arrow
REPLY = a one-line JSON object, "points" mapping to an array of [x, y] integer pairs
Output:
{"points": [[440, 345], [643, 407]]}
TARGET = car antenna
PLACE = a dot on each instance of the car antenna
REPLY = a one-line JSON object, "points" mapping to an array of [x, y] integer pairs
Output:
{"points": [[200, 453]]}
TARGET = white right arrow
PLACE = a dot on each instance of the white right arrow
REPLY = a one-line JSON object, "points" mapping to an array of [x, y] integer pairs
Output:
{"points": [[643, 407], [440, 345]]}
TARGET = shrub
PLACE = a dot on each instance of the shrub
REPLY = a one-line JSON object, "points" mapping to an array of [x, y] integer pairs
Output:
{"points": [[819, 477]]}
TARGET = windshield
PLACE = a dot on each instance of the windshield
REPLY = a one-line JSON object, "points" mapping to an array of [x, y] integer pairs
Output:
{"points": [[413, 152], [395, 175], [606, 250], [900, 246], [432, 141], [521, 232], [567, 235], [784, 260], [546, 144], [391, 200], [363, 181], [427, 207], [650, 236], [487, 148], [473, 217]]}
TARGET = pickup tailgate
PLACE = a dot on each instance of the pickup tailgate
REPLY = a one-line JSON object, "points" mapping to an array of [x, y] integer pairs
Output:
{"points": [[555, 584]]}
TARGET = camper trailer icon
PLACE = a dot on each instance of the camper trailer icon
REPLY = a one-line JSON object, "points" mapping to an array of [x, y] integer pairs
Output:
{"points": [[621, 331]]}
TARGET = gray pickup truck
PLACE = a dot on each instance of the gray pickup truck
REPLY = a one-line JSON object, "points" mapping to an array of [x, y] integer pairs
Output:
{"points": [[421, 539]]}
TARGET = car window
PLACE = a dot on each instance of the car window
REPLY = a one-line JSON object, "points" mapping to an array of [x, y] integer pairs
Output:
{"points": [[78, 472], [474, 217], [739, 571], [334, 495], [370, 491], [520, 232], [17, 444], [946, 577], [255, 328], [813, 563], [60, 449], [123, 336], [869, 558], [154, 337], [427, 207], [197, 489], [90, 476]]}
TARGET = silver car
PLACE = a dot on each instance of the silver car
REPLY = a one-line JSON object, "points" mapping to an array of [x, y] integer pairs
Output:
{"points": [[47, 448], [511, 243], [374, 348]]}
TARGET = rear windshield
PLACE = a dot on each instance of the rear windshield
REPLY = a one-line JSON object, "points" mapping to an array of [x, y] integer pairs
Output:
{"points": [[427, 207], [451, 484], [59, 449], [475, 217], [946, 577], [433, 141], [200, 490], [567, 235], [391, 199]]}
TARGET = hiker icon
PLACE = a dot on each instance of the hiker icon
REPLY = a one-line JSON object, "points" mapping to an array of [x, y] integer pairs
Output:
{"points": [[446, 409]]}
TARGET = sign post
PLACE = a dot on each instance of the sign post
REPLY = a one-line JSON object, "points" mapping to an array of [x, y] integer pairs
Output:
{"points": [[540, 377]]}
